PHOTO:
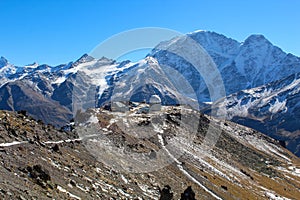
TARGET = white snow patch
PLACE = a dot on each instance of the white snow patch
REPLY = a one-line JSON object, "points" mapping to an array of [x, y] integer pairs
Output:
{"points": [[59, 80], [12, 143], [61, 189], [82, 189], [124, 179], [148, 191], [98, 74], [295, 169], [292, 170], [34, 65], [98, 170], [179, 165], [209, 166], [278, 106], [273, 196], [123, 193], [93, 119], [53, 163], [254, 141], [157, 129], [63, 141]]}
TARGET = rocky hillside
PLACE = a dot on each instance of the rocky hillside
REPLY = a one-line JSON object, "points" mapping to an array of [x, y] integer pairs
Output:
{"points": [[40, 162], [272, 109]]}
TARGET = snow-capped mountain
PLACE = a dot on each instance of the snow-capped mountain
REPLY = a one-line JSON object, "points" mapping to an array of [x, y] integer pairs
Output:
{"points": [[253, 62], [42, 88], [90, 82], [6, 70], [273, 109], [242, 65]]}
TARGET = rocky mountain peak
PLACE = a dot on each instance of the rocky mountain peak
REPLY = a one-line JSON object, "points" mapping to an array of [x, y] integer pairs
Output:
{"points": [[3, 62], [32, 65], [212, 41], [104, 60], [257, 44], [84, 58], [256, 38]]}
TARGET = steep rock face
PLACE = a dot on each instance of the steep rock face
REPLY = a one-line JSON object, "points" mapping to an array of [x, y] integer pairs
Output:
{"points": [[273, 109], [145, 79], [253, 62], [18, 96]]}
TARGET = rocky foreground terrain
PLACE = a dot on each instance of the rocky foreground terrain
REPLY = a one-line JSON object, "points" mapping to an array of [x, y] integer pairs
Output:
{"points": [[41, 162]]}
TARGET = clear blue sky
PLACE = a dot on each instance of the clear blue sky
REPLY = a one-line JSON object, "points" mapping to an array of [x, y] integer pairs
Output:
{"points": [[59, 31]]}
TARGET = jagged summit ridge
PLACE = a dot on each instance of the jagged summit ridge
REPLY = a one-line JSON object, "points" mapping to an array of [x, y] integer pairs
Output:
{"points": [[256, 38], [212, 41], [242, 65], [253, 63]]}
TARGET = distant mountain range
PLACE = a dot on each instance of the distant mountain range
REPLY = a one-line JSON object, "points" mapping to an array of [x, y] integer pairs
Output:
{"points": [[273, 109], [261, 83]]}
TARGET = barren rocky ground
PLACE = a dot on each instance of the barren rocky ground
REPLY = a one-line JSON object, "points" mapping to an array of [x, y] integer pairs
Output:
{"points": [[41, 162]]}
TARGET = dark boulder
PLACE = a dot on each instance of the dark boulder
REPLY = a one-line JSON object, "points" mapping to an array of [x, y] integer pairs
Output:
{"points": [[166, 194], [188, 194]]}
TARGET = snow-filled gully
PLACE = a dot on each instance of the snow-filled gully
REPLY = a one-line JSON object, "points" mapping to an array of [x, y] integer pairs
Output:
{"points": [[178, 163], [189, 176], [8, 144]]}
